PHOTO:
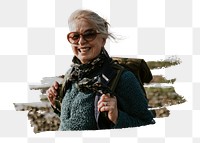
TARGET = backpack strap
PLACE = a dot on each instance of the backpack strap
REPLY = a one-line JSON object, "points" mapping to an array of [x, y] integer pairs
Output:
{"points": [[61, 91], [65, 83], [107, 76], [138, 67], [114, 82]]}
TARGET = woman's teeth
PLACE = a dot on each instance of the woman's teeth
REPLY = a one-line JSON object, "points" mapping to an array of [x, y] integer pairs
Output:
{"points": [[84, 49]]}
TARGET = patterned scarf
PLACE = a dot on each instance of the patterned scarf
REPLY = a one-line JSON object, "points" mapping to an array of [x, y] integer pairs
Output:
{"points": [[87, 77]]}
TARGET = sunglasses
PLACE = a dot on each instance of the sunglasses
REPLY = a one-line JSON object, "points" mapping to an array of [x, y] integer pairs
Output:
{"points": [[88, 35]]}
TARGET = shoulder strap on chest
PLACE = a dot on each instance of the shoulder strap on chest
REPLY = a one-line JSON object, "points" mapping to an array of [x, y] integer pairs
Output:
{"points": [[65, 80], [119, 70], [61, 91]]}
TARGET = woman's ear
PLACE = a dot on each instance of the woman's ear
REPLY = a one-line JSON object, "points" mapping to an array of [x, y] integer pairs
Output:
{"points": [[103, 42]]}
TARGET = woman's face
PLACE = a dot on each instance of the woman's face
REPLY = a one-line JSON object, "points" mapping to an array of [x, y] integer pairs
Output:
{"points": [[85, 50]]}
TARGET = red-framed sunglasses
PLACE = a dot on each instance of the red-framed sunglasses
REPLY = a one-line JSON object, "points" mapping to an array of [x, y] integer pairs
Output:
{"points": [[88, 35]]}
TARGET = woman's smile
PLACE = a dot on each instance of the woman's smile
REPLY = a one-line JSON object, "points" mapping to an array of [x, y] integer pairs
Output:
{"points": [[83, 50]]}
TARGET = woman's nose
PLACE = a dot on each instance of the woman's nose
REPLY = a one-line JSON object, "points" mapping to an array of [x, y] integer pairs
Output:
{"points": [[81, 40]]}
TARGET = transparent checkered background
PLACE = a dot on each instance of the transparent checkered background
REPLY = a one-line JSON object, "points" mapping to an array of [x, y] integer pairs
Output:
{"points": [[33, 45]]}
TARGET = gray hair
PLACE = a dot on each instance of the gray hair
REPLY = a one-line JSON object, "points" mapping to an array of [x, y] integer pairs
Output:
{"points": [[100, 23]]}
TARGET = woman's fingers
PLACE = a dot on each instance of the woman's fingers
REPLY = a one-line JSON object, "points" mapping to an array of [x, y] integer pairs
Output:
{"points": [[50, 96], [56, 85], [109, 103], [103, 106], [103, 102], [52, 93]]}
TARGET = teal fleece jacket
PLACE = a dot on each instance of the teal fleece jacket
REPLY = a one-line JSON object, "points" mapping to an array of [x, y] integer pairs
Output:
{"points": [[77, 110]]}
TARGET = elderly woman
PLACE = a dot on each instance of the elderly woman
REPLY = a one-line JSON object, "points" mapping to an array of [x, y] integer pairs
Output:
{"points": [[125, 107]]}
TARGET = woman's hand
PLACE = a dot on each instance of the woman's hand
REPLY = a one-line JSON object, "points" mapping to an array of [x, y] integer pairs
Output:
{"points": [[52, 93], [109, 104]]}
